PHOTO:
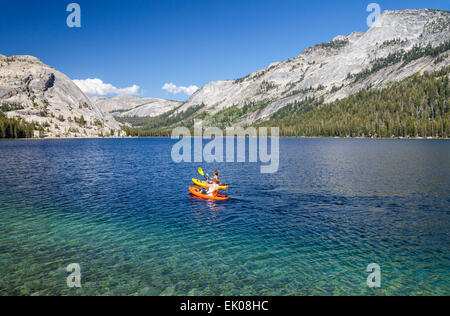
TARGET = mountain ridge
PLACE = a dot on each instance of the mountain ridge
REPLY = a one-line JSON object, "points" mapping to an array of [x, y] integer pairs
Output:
{"points": [[132, 106], [397, 46], [326, 70]]}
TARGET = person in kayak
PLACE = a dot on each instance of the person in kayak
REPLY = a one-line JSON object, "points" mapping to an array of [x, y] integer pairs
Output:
{"points": [[215, 179], [213, 188]]}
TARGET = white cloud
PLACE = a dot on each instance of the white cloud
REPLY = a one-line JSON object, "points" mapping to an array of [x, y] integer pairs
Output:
{"points": [[172, 88], [97, 87]]}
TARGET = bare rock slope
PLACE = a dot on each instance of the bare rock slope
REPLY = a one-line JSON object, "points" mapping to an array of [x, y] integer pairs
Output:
{"points": [[39, 93], [130, 106]]}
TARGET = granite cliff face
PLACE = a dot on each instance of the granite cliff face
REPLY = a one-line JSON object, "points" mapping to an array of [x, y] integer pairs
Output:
{"points": [[398, 45], [130, 106], [39, 93]]}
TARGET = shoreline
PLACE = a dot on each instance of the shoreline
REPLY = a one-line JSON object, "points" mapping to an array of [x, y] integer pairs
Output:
{"points": [[165, 137]]}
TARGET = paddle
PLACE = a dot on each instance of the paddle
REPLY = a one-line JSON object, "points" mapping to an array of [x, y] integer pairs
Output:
{"points": [[200, 170]]}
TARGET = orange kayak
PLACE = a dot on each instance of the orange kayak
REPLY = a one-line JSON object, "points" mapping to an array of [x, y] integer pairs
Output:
{"points": [[199, 193]]}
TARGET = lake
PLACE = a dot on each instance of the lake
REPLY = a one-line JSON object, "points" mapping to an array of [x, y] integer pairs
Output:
{"points": [[120, 208]]}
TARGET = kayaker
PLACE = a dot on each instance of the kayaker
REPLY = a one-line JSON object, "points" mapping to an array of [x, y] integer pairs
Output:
{"points": [[215, 179]]}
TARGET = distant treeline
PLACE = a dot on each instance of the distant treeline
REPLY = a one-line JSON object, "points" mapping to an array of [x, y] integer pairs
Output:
{"points": [[15, 128], [415, 107]]}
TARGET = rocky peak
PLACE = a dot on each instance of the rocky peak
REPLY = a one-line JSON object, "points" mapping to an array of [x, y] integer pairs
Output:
{"points": [[39, 93]]}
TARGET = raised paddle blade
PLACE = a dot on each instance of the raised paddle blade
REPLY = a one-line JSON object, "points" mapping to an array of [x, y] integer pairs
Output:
{"points": [[200, 170]]}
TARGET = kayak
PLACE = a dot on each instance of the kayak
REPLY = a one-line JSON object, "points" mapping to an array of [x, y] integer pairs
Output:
{"points": [[204, 185], [199, 193]]}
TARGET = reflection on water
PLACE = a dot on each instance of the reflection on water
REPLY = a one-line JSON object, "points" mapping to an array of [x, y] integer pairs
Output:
{"points": [[121, 209]]}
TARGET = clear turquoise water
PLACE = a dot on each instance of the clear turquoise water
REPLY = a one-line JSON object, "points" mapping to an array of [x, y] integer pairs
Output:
{"points": [[121, 209]]}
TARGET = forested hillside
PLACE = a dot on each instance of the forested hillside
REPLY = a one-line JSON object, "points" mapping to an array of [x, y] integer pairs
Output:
{"points": [[15, 128], [415, 107]]}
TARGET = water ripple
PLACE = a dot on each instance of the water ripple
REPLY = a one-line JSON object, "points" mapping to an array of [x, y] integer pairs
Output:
{"points": [[120, 209]]}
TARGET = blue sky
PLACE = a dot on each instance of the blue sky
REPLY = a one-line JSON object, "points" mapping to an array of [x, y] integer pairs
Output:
{"points": [[150, 43]]}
